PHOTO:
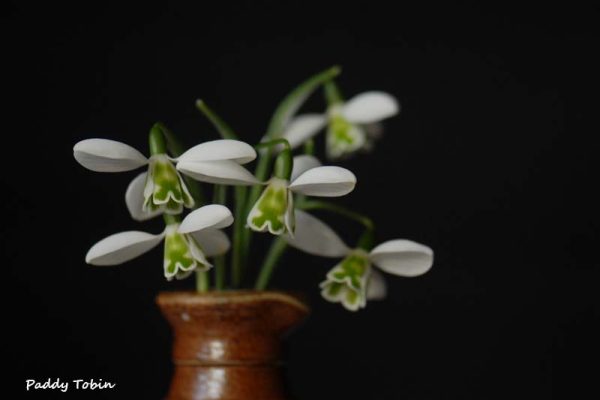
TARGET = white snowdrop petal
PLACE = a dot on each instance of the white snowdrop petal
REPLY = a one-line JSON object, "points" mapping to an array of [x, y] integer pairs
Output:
{"points": [[223, 172], [376, 287], [303, 163], [222, 149], [121, 247], [212, 216], [103, 155], [325, 182], [197, 253], [313, 236], [369, 107], [212, 241], [303, 127], [402, 257], [134, 198]]}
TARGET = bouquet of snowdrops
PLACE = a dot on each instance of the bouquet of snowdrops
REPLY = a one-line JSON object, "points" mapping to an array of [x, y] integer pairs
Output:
{"points": [[275, 199]]}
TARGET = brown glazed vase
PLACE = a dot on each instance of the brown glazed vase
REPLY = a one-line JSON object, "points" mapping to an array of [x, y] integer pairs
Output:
{"points": [[227, 345]]}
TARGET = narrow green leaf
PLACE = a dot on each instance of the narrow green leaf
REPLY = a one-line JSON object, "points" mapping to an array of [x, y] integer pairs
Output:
{"points": [[294, 100], [222, 127], [277, 249], [308, 205], [333, 95]]}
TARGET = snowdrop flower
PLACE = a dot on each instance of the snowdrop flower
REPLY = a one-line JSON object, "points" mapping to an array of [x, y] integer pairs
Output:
{"points": [[187, 244], [274, 209], [354, 280], [350, 124], [162, 188]]}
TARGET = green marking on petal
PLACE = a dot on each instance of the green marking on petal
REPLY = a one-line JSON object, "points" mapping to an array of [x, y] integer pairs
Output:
{"points": [[336, 292], [165, 188], [334, 288], [343, 138], [269, 211], [351, 298], [166, 180], [352, 270], [347, 282], [178, 256]]}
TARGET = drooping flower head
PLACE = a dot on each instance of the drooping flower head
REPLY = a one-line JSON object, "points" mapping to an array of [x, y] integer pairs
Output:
{"points": [[354, 280], [274, 209], [186, 245], [162, 189], [351, 125]]}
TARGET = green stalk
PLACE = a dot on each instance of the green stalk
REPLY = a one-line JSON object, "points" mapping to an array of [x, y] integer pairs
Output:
{"points": [[324, 205], [220, 272], [222, 127], [202, 281], [174, 146], [309, 147], [333, 95], [237, 256], [220, 197], [275, 252], [240, 193], [171, 219], [156, 141]]}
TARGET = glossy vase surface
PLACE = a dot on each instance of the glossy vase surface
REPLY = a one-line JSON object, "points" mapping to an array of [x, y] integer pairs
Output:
{"points": [[227, 345]]}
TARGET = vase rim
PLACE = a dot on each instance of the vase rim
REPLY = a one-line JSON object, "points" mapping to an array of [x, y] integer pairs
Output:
{"points": [[231, 297]]}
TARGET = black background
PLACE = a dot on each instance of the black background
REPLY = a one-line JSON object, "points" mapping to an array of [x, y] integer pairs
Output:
{"points": [[491, 163]]}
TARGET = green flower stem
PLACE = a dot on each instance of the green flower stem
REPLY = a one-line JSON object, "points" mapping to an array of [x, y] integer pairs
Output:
{"points": [[174, 146], [238, 254], [367, 240], [222, 127], [275, 252], [309, 147], [240, 193], [202, 281], [220, 197], [156, 141], [283, 165], [324, 205], [333, 95], [283, 162], [294, 100], [284, 111], [220, 272], [171, 219], [274, 142]]}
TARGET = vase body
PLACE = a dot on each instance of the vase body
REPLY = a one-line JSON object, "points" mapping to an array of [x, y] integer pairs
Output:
{"points": [[227, 345]]}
